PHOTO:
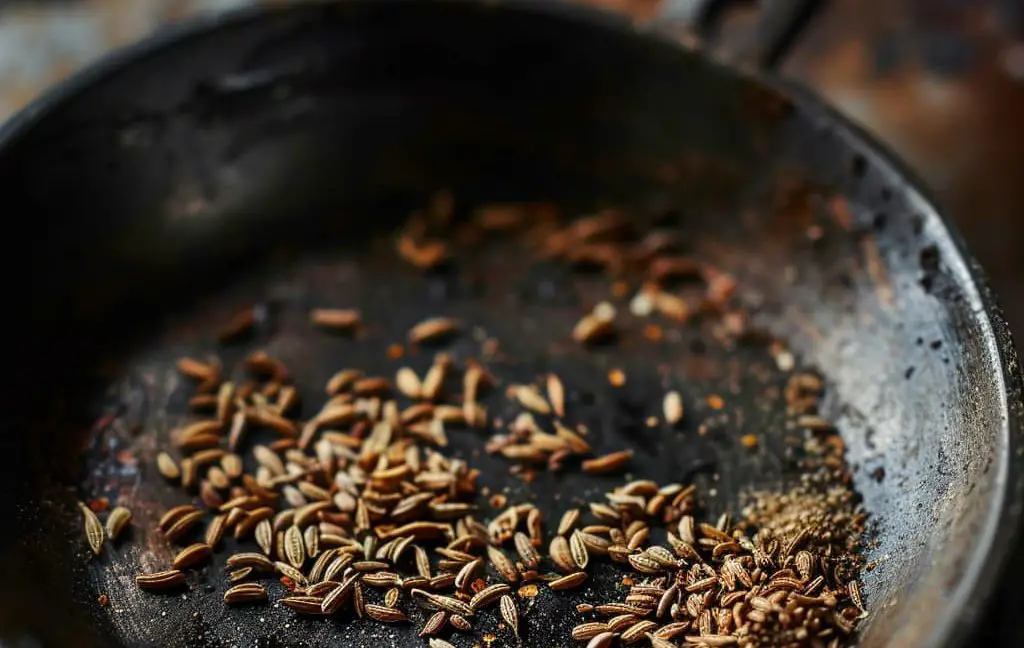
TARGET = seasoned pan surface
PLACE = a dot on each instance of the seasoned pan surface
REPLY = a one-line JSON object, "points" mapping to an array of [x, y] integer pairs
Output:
{"points": [[214, 156]]}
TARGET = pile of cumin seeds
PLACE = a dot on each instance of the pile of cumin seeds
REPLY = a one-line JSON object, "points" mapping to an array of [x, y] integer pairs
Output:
{"points": [[358, 510], [783, 576]]}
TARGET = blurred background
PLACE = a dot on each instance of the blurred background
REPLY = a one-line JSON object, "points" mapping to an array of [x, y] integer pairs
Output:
{"points": [[941, 81]]}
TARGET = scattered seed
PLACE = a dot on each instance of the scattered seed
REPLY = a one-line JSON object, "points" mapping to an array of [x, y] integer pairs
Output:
{"points": [[385, 614], [408, 383], [434, 625], [168, 469], [164, 580], [673, 408], [432, 330], [117, 521], [93, 529], [336, 318], [192, 555], [245, 593], [531, 399], [578, 550], [608, 463], [568, 582], [509, 613]]}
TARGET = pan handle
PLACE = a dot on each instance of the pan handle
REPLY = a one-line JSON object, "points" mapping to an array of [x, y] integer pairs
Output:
{"points": [[776, 29]]}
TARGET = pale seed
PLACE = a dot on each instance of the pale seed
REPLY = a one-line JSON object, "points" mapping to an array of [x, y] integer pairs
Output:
{"points": [[117, 521]]}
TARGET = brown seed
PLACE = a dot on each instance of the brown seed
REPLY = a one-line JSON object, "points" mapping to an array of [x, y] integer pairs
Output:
{"points": [[117, 521], [197, 369], [304, 604], [713, 640], [385, 614], [192, 555], [527, 552], [589, 630], [591, 328], [568, 521], [434, 625], [673, 408], [236, 575], [465, 574], [568, 582], [250, 559], [502, 564], [268, 459], [658, 642], [610, 462], [638, 631], [603, 640], [408, 383], [439, 643], [168, 469], [294, 547], [245, 593], [264, 533], [853, 589], [556, 394], [530, 398], [287, 570], [335, 318], [446, 603], [392, 596], [215, 530], [460, 623], [488, 595], [645, 564], [183, 525], [432, 329], [337, 596], [163, 580], [93, 529], [578, 550], [509, 613], [561, 554]]}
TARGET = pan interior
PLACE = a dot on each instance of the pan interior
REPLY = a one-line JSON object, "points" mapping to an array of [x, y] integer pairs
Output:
{"points": [[261, 161]]}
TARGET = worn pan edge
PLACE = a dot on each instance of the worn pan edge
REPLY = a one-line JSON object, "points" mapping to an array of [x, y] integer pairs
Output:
{"points": [[1003, 522]]}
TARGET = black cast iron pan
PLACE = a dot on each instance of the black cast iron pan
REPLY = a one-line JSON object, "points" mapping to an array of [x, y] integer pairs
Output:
{"points": [[259, 157]]}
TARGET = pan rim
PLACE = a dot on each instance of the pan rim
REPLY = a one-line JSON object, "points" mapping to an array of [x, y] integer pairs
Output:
{"points": [[1002, 522]]}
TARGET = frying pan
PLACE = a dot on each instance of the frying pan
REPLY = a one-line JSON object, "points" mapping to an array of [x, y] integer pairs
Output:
{"points": [[260, 158]]}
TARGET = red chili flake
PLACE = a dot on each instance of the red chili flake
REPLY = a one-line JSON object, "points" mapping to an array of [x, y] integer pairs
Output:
{"points": [[99, 505], [288, 583], [103, 600]]}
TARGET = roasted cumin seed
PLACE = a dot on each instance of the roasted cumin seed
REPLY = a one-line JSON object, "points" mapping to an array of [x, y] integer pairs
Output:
{"points": [[509, 613], [385, 614], [568, 521], [527, 552], [672, 407], [94, 533], [164, 580], [432, 330], [339, 319], [245, 593], [460, 623], [192, 555], [578, 550], [502, 564], [611, 462], [167, 467], [568, 582], [433, 625], [117, 521]]}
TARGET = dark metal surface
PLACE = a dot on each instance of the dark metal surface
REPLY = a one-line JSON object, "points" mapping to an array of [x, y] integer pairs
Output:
{"points": [[157, 186]]}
